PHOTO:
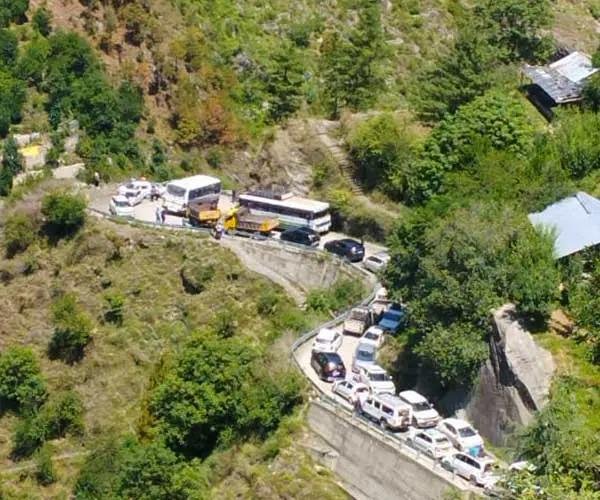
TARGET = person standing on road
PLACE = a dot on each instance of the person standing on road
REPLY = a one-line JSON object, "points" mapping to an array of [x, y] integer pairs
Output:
{"points": [[96, 179], [158, 215], [163, 215], [233, 195]]}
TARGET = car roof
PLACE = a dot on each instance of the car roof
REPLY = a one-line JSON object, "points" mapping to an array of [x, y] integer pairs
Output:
{"points": [[375, 329], [433, 433], [457, 422], [374, 368], [120, 197], [481, 460], [332, 356], [366, 346], [326, 333], [349, 242], [391, 400], [413, 397], [302, 229]]}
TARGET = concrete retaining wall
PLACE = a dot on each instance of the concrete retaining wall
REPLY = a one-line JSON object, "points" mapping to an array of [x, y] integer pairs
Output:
{"points": [[373, 467]]}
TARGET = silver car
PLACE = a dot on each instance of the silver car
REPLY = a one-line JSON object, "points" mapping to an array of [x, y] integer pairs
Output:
{"points": [[377, 262], [364, 355]]}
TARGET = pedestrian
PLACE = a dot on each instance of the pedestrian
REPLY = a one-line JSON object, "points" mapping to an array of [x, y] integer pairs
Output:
{"points": [[158, 215], [233, 195], [163, 214], [219, 230], [96, 179], [362, 241]]}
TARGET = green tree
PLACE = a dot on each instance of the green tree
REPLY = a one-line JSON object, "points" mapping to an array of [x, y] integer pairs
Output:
{"points": [[72, 330], [577, 144], [12, 97], [45, 473], [64, 213], [42, 21], [11, 165], [12, 11], [22, 387], [515, 25], [351, 67], [20, 231], [31, 66], [284, 80], [8, 48]]}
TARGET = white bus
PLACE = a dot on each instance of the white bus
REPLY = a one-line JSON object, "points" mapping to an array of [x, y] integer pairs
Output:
{"points": [[292, 211], [181, 191]]}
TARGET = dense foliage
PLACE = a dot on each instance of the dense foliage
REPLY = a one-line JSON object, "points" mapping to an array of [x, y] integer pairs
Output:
{"points": [[72, 330], [64, 213], [22, 387]]}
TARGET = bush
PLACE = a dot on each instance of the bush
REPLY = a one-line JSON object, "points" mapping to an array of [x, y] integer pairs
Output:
{"points": [[20, 231], [29, 434], [45, 473], [343, 294], [72, 330], [22, 387], [196, 274], [114, 304], [42, 21], [63, 213]]}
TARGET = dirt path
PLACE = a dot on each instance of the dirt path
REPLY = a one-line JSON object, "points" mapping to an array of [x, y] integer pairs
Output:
{"points": [[32, 465]]}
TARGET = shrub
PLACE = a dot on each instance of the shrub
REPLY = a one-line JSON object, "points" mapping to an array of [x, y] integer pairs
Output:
{"points": [[343, 294], [44, 472], [42, 21], [20, 231], [64, 213], [72, 330], [29, 434], [22, 386], [114, 304], [196, 274]]}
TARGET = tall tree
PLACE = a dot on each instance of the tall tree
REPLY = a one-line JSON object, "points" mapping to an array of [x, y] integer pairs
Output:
{"points": [[12, 164]]}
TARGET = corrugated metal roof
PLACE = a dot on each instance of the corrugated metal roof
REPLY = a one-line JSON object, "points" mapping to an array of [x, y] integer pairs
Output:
{"points": [[576, 66], [562, 80], [575, 220]]}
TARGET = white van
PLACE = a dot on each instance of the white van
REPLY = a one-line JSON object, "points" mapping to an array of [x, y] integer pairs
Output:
{"points": [[425, 415], [388, 411], [181, 192]]}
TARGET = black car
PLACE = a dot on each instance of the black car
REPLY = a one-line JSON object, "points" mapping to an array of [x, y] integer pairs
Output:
{"points": [[328, 365], [302, 236], [346, 248]]}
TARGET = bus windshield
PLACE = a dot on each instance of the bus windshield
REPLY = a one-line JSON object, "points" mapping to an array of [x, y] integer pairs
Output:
{"points": [[177, 191]]}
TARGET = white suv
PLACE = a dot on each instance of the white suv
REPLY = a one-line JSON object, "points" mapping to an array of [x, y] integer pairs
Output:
{"points": [[327, 341], [477, 470], [462, 435], [376, 379], [424, 415], [431, 441], [388, 411]]}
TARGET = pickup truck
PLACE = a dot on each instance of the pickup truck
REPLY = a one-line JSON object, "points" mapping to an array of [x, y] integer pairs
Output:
{"points": [[392, 318], [359, 319]]}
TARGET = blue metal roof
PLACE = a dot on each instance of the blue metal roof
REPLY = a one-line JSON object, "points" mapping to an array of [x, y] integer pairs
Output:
{"points": [[575, 220]]}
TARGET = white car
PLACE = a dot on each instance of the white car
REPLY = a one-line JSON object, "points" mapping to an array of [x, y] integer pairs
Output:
{"points": [[134, 197], [119, 206], [377, 262], [424, 414], [374, 335], [350, 390], [136, 185], [462, 435], [387, 411], [376, 379], [477, 470], [327, 341], [432, 442]]}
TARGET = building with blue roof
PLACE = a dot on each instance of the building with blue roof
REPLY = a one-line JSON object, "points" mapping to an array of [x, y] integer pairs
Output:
{"points": [[575, 221]]}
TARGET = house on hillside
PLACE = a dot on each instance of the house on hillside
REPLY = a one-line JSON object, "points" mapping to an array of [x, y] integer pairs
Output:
{"points": [[560, 83], [575, 221]]}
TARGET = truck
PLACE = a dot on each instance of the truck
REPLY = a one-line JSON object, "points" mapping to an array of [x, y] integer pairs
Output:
{"points": [[203, 214], [240, 219], [359, 319]]}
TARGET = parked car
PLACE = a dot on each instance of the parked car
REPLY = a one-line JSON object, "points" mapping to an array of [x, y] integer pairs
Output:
{"points": [[359, 319], [476, 470], [301, 236], [327, 341], [392, 318], [462, 435], [136, 185], [374, 335], [376, 379], [347, 248], [376, 263], [431, 441], [388, 411], [424, 414], [350, 390], [120, 206], [328, 365], [365, 354], [134, 197]]}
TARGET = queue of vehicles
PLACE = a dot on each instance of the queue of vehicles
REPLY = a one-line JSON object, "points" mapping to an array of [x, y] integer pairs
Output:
{"points": [[373, 394]]}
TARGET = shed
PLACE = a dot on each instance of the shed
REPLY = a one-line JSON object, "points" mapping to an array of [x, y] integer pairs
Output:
{"points": [[560, 82], [575, 221]]}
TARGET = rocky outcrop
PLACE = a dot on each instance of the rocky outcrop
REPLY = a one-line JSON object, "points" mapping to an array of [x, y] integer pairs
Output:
{"points": [[514, 382]]}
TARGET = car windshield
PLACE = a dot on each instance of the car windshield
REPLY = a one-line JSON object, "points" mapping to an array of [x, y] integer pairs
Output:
{"points": [[371, 336], [441, 440], [321, 340], [423, 406], [393, 314], [467, 432], [378, 377], [176, 191], [362, 389], [365, 355], [121, 203]]}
